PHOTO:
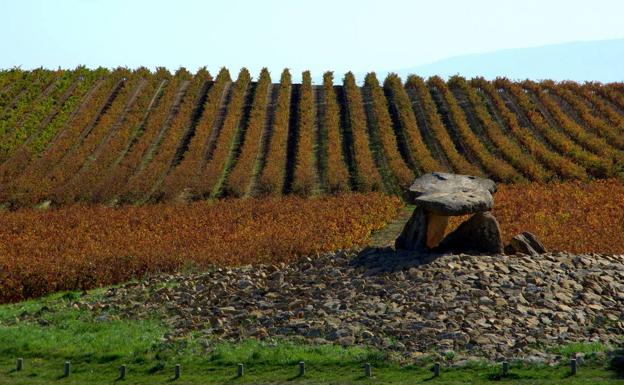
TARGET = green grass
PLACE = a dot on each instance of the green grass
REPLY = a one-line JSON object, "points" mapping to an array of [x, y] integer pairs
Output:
{"points": [[392, 230], [97, 347], [589, 349]]}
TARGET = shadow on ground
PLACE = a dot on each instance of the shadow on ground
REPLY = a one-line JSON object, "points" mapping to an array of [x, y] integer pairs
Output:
{"points": [[617, 363], [376, 260]]}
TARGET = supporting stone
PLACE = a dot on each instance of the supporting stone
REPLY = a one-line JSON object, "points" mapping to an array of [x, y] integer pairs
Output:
{"points": [[481, 233], [436, 226], [414, 234]]}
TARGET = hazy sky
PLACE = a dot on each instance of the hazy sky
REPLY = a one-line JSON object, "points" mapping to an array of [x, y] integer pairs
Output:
{"points": [[317, 35]]}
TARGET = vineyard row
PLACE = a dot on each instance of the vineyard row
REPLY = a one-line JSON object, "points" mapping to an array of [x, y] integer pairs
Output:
{"points": [[137, 136]]}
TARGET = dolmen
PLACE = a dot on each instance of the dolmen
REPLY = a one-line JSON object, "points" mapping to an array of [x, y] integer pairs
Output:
{"points": [[437, 197]]}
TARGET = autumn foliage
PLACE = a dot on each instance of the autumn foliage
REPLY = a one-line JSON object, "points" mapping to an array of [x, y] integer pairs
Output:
{"points": [[594, 165], [610, 93], [186, 174], [608, 112], [555, 162], [271, 180], [305, 175], [382, 124], [25, 122], [121, 136], [581, 135], [239, 181], [134, 157], [33, 90], [510, 150], [598, 125], [499, 169], [33, 183], [66, 107], [60, 177], [367, 177], [101, 246], [434, 121], [135, 135], [572, 216], [337, 173], [228, 138], [419, 155], [159, 157]]}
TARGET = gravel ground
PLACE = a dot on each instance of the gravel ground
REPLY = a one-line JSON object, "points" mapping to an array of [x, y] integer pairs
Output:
{"points": [[486, 306]]}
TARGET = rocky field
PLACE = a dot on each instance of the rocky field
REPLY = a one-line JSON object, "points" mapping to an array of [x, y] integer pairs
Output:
{"points": [[487, 306]]}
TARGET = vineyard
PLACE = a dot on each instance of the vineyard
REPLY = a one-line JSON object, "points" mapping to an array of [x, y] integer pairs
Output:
{"points": [[135, 136], [242, 208], [102, 245]]}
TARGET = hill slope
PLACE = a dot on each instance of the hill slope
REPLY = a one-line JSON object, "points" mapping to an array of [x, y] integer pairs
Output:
{"points": [[578, 61], [136, 136]]}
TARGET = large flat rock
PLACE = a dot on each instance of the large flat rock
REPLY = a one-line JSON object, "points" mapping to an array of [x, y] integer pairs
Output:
{"points": [[456, 202], [441, 181], [452, 194]]}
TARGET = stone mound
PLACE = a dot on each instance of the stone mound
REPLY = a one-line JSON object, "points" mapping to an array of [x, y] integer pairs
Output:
{"points": [[486, 306]]}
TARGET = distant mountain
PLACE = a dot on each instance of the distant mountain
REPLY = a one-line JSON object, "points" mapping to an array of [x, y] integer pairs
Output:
{"points": [[601, 60]]}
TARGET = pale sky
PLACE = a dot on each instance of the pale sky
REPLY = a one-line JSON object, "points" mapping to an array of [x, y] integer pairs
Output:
{"points": [[317, 35]]}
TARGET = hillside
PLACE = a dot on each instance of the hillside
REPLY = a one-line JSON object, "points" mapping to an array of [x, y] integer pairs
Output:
{"points": [[578, 61], [124, 136]]}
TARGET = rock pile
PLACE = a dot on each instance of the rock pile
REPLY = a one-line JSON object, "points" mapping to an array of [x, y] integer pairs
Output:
{"points": [[488, 306], [525, 243]]}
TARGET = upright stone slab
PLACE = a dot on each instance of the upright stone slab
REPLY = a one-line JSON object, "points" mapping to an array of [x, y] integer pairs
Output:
{"points": [[436, 227], [481, 234], [414, 234]]}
